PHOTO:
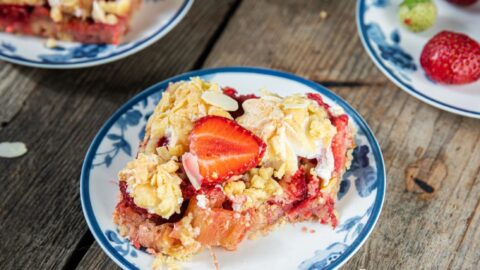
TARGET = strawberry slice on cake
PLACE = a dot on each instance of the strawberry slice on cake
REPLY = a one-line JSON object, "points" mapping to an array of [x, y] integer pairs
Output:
{"points": [[220, 148]]}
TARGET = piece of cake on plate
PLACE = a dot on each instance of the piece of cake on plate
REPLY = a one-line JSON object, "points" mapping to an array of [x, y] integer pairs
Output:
{"points": [[215, 167], [86, 21]]}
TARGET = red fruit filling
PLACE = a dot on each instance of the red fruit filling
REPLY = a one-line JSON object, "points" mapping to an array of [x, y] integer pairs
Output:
{"points": [[317, 98], [35, 20], [217, 226], [340, 142], [231, 92], [162, 142]]}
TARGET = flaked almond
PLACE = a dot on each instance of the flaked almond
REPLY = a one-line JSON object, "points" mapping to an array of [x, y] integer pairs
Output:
{"points": [[220, 100], [191, 168], [301, 105], [12, 149]]}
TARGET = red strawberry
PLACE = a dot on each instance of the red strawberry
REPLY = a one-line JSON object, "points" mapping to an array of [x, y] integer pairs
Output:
{"points": [[463, 2], [451, 58], [340, 142], [220, 148]]}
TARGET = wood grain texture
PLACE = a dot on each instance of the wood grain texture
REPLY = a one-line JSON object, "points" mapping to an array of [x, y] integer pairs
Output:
{"points": [[15, 86], [64, 109], [96, 258], [40, 213]]}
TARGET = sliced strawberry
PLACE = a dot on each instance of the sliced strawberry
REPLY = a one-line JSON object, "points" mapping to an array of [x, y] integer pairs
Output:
{"points": [[221, 148], [340, 142], [218, 227]]}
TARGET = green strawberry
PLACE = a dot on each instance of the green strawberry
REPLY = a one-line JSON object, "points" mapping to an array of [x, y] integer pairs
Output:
{"points": [[417, 15]]}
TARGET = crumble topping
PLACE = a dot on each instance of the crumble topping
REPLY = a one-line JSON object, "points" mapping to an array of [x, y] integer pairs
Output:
{"points": [[294, 181], [181, 104], [292, 127], [101, 11], [154, 185], [259, 187]]}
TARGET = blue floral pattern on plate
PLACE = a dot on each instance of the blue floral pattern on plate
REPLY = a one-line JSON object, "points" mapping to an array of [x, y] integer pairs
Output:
{"points": [[121, 245], [391, 51], [118, 141], [351, 228], [83, 51]]}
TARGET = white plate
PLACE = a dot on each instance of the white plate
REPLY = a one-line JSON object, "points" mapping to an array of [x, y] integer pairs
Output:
{"points": [[152, 21], [359, 205], [396, 51]]}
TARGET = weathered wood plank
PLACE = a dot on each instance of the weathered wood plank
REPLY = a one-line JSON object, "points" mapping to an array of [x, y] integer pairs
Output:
{"points": [[417, 229], [291, 35], [15, 86], [40, 213], [95, 258]]}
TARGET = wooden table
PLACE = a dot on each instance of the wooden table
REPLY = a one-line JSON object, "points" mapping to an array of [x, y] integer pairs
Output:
{"points": [[57, 113]]}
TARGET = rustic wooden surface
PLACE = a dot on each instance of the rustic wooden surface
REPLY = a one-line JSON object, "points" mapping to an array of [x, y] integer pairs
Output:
{"points": [[434, 227]]}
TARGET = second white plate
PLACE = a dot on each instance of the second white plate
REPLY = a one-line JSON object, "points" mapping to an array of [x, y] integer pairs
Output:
{"points": [[396, 51]]}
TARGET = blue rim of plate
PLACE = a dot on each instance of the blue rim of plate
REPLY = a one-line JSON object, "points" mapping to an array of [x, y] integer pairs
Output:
{"points": [[139, 45], [361, 8], [159, 87]]}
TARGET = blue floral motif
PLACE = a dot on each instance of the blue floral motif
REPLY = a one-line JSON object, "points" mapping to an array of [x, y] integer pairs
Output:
{"points": [[361, 172], [83, 51], [352, 227], [390, 50], [344, 187], [380, 3], [141, 134], [123, 247], [119, 143], [7, 47], [327, 256]]}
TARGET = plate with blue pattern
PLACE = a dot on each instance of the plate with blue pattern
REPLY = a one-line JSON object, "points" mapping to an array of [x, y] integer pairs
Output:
{"points": [[153, 20], [359, 202], [396, 51]]}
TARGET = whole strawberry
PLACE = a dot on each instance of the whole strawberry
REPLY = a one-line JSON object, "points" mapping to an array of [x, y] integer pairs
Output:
{"points": [[451, 58], [463, 2], [417, 15]]}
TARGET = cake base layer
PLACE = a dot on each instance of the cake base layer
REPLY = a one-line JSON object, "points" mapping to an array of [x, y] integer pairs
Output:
{"points": [[36, 21]]}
